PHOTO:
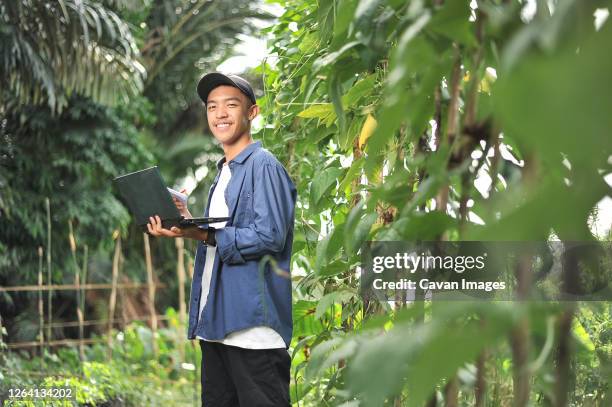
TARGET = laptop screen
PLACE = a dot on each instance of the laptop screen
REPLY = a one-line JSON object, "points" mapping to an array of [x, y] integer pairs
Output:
{"points": [[145, 194]]}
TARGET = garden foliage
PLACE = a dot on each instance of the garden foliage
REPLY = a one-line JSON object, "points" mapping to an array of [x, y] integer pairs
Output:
{"points": [[398, 120]]}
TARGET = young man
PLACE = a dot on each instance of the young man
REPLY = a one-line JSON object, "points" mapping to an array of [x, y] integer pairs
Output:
{"points": [[240, 305]]}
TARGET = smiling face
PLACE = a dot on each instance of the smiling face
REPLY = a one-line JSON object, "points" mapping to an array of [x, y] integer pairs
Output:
{"points": [[229, 114]]}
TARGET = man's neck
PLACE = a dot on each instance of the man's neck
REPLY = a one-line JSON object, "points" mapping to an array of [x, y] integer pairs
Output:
{"points": [[232, 150]]}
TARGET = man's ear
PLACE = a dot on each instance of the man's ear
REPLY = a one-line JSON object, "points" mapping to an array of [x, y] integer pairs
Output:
{"points": [[253, 112]]}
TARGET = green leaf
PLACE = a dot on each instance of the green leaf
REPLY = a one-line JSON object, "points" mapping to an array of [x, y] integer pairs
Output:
{"points": [[452, 21], [325, 17], [329, 299], [335, 92], [318, 111], [319, 355], [551, 83], [323, 183], [346, 139], [582, 335], [328, 249], [360, 89], [353, 172], [321, 258], [334, 268], [358, 225], [366, 10], [309, 43], [299, 390], [344, 16], [304, 322], [424, 225], [302, 308], [331, 58], [363, 230], [419, 355], [427, 190], [406, 98]]}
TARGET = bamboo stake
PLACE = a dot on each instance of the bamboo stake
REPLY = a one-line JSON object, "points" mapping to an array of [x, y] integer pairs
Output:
{"points": [[49, 305], [564, 383], [105, 321], [59, 342], [41, 311], [519, 337], [137, 378], [77, 283], [124, 320], [480, 386], [151, 286], [84, 272], [195, 376], [190, 268], [81, 305], [29, 344], [422, 147], [180, 271], [451, 390], [68, 287], [113, 295]]}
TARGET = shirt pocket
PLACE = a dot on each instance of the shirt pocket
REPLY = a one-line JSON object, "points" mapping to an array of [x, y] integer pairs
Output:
{"points": [[244, 208]]}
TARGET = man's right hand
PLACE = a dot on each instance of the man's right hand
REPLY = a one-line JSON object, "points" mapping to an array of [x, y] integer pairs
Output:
{"points": [[155, 228]]}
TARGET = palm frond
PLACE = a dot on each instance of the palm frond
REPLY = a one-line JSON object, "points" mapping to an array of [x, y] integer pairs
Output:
{"points": [[50, 50], [201, 23]]}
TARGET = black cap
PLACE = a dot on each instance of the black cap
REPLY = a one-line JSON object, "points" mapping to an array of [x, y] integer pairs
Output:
{"points": [[214, 79]]}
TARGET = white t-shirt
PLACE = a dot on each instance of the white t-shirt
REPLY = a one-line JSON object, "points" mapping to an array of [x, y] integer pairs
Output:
{"points": [[259, 337]]}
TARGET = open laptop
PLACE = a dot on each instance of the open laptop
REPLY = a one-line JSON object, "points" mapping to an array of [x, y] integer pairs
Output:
{"points": [[145, 194]]}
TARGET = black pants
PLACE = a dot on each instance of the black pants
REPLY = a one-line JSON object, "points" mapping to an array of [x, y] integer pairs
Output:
{"points": [[238, 377]]}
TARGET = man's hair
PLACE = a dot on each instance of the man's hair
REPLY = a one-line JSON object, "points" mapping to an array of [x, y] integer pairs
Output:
{"points": [[248, 101]]}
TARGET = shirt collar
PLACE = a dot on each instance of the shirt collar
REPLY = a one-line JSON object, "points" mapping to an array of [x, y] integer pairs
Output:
{"points": [[243, 155]]}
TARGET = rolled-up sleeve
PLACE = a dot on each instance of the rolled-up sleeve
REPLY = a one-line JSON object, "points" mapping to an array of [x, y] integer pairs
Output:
{"points": [[273, 203]]}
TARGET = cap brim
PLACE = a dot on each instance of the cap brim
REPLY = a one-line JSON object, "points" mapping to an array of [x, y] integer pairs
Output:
{"points": [[211, 81]]}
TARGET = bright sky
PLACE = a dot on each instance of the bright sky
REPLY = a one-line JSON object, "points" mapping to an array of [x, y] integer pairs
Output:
{"points": [[251, 51]]}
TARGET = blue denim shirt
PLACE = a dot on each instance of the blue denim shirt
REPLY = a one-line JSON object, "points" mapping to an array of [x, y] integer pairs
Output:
{"points": [[244, 290]]}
